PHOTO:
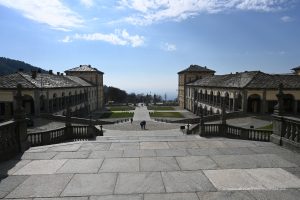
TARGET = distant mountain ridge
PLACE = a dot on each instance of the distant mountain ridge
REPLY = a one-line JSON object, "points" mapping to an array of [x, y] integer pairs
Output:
{"points": [[8, 66]]}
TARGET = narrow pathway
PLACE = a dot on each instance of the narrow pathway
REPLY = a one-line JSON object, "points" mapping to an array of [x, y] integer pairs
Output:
{"points": [[141, 113]]}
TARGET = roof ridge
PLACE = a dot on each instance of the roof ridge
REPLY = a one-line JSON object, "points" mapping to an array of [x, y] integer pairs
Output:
{"points": [[21, 74], [256, 73]]}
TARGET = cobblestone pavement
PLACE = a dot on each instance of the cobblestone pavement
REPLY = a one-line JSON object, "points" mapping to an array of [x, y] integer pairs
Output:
{"points": [[153, 165]]}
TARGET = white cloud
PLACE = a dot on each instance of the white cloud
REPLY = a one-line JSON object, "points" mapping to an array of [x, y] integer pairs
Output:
{"points": [[51, 12], [169, 47], [119, 37], [87, 3], [287, 19], [150, 11]]}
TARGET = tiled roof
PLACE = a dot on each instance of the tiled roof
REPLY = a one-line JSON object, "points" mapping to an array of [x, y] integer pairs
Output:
{"points": [[196, 68], [84, 68], [41, 81], [252, 79]]}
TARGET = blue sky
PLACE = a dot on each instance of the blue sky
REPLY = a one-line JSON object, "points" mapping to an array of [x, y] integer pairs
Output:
{"points": [[140, 45]]}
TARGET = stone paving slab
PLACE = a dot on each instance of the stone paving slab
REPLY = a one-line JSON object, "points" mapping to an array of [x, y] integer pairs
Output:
{"points": [[10, 183], [63, 198], [72, 155], [203, 151], [183, 145], [251, 161], [186, 181], [139, 153], [70, 147], [171, 196], [124, 145], [196, 163], [120, 165], [106, 154], [41, 186], [233, 179], [81, 166], [38, 156], [235, 151], [117, 197], [276, 194], [11, 166], [154, 145], [159, 164], [274, 179], [226, 195], [138, 183], [91, 184], [95, 146], [41, 167], [171, 152], [211, 144]]}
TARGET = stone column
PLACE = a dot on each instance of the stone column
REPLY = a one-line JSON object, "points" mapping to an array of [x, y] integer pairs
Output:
{"points": [[36, 101], [278, 110], [21, 124], [7, 111], [245, 102], [263, 102]]}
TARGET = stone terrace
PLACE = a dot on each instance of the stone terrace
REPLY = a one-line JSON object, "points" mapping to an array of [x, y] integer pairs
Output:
{"points": [[146, 165]]}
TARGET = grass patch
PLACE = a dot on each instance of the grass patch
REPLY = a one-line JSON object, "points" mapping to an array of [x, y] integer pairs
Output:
{"points": [[267, 127], [117, 115], [160, 108], [166, 114], [120, 108]]}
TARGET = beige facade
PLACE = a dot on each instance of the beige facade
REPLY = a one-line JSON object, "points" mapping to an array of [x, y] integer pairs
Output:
{"points": [[249, 92], [48, 93], [191, 74]]}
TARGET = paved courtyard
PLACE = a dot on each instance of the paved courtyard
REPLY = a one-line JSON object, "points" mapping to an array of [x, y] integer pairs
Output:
{"points": [[153, 165], [158, 163]]}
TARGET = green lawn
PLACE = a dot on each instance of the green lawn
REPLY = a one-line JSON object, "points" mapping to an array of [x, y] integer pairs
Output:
{"points": [[268, 127], [160, 108], [166, 114], [117, 115], [120, 108]]}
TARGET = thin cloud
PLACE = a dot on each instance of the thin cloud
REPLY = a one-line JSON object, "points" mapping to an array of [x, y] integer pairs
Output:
{"points": [[287, 19], [51, 12], [87, 3], [169, 47], [119, 37], [150, 11]]}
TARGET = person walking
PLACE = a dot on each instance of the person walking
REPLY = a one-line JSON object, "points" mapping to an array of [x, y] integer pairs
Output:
{"points": [[141, 125], [131, 120]]}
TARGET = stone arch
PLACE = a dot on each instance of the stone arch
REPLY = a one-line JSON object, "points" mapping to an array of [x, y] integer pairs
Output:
{"points": [[28, 104], [288, 103], [254, 103], [42, 103]]}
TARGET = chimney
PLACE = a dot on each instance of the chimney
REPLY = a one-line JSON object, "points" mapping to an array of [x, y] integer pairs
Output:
{"points": [[58, 73], [21, 70], [51, 72], [61, 74], [89, 65], [33, 74]]}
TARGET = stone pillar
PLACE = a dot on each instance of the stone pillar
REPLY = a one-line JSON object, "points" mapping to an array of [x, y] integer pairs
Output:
{"points": [[21, 124], [245, 102], [68, 131], [201, 122], [263, 102], [7, 111], [36, 101], [278, 110], [223, 127]]}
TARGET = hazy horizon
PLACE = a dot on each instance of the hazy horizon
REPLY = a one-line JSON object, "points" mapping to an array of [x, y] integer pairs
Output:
{"points": [[141, 45]]}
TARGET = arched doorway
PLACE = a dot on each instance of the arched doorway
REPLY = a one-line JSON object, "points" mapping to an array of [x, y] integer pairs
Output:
{"points": [[254, 102], [288, 103], [42, 103], [28, 104], [239, 101]]}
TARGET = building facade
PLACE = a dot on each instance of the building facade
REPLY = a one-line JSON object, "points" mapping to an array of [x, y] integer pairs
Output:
{"points": [[52, 93], [189, 75], [248, 92]]}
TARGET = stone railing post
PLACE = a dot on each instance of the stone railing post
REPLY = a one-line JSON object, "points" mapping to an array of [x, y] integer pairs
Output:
{"points": [[68, 129], [201, 122], [278, 120], [223, 127], [21, 123]]}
